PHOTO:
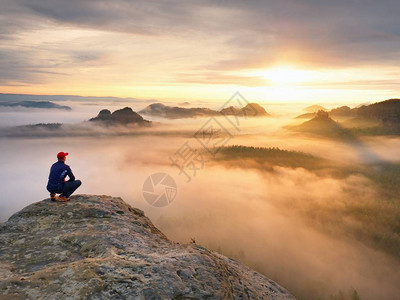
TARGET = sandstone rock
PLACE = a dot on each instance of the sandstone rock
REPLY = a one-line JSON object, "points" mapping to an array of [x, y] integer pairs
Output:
{"points": [[98, 247], [250, 110], [122, 116], [174, 112]]}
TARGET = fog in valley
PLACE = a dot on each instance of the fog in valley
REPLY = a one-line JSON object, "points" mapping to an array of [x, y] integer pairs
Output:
{"points": [[322, 226]]}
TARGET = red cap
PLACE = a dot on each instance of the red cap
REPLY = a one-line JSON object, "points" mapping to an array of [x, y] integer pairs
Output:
{"points": [[62, 154]]}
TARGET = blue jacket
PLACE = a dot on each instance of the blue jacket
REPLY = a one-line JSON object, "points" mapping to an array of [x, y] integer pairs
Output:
{"points": [[58, 172]]}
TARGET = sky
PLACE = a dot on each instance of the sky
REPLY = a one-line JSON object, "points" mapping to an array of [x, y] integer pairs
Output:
{"points": [[271, 51]]}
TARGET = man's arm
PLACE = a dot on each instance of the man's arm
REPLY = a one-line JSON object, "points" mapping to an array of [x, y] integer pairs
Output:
{"points": [[70, 174]]}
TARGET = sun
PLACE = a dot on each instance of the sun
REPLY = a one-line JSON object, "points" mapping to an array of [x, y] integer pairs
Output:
{"points": [[285, 75]]}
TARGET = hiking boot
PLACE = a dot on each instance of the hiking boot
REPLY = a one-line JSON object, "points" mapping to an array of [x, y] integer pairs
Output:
{"points": [[62, 198], [53, 197]]}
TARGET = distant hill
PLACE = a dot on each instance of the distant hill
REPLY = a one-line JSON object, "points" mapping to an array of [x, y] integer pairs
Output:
{"points": [[119, 117], [314, 108], [48, 126], [342, 111], [339, 112], [175, 112], [381, 118], [122, 117], [266, 158], [250, 110], [387, 112], [321, 122], [35, 104], [52, 98], [323, 125], [384, 116], [306, 116]]}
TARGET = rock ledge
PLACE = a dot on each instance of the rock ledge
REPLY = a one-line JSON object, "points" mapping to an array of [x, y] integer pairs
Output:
{"points": [[99, 247]]}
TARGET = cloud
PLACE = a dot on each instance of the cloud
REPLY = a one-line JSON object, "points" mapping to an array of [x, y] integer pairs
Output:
{"points": [[252, 216], [136, 17], [18, 67], [152, 42], [220, 78], [291, 224], [316, 33]]}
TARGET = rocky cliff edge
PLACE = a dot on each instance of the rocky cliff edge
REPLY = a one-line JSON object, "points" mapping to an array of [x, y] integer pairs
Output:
{"points": [[99, 247]]}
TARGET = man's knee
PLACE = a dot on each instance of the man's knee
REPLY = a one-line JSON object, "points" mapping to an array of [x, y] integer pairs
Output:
{"points": [[77, 183]]}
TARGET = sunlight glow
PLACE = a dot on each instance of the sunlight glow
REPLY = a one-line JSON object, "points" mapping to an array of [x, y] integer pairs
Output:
{"points": [[286, 75]]}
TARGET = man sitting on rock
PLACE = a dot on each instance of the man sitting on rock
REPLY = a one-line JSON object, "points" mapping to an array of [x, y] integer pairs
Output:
{"points": [[57, 183]]}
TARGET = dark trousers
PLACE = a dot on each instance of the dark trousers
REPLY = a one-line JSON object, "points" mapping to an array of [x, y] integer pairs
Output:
{"points": [[70, 187]]}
